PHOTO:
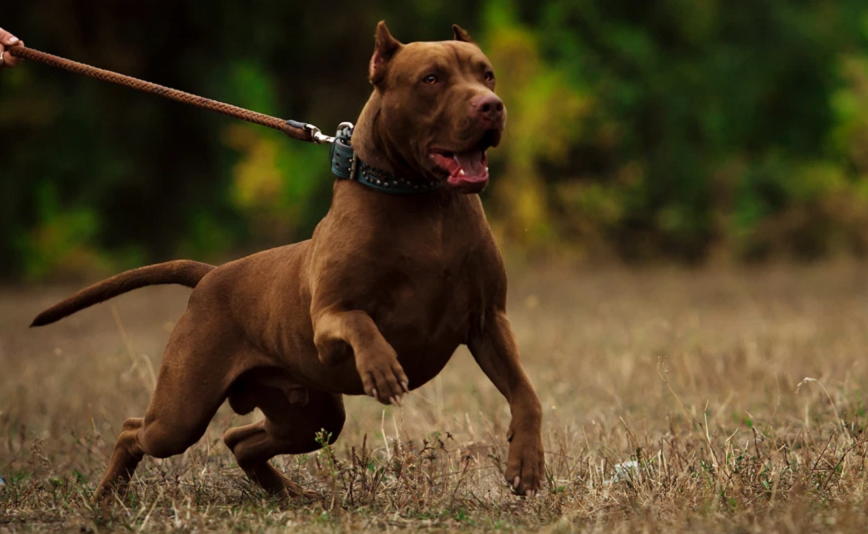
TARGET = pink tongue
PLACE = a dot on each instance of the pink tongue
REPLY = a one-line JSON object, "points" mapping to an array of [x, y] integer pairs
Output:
{"points": [[471, 163]]}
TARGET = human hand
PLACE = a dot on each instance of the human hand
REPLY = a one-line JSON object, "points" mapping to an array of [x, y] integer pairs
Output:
{"points": [[7, 40]]}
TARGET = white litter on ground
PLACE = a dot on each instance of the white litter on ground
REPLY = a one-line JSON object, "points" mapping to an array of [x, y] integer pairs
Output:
{"points": [[624, 471]]}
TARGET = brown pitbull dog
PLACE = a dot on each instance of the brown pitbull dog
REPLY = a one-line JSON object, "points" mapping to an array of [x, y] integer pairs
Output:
{"points": [[375, 303]]}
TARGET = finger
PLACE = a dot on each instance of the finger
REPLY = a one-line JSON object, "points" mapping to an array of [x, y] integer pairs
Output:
{"points": [[7, 38], [9, 60]]}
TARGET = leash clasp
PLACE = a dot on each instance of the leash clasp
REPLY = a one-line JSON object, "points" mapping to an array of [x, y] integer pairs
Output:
{"points": [[316, 135]]}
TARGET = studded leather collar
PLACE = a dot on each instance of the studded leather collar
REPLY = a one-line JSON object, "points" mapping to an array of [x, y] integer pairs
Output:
{"points": [[346, 165]]}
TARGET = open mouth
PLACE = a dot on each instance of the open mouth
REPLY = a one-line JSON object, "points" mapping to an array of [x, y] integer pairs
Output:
{"points": [[468, 169]]}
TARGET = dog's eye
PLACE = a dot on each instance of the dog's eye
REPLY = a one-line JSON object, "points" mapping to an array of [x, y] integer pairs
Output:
{"points": [[489, 76], [430, 79]]}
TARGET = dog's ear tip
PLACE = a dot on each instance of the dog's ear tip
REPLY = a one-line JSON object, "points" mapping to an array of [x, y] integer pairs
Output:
{"points": [[384, 48], [383, 30], [460, 34], [384, 36]]}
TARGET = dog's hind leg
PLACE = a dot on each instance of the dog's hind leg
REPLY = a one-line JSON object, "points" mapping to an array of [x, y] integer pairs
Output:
{"points": [[125, 458], [193, 381], [287, 429]]}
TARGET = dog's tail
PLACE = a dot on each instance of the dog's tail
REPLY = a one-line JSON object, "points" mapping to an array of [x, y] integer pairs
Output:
{"points": [[183, 272]]}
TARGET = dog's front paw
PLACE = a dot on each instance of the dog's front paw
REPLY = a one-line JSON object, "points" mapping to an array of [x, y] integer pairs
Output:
{"points": [[525, 466], [382, 376]]}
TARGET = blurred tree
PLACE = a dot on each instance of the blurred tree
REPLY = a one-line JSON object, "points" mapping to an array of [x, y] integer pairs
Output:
{"points": [[153, 178], [677, 129]]}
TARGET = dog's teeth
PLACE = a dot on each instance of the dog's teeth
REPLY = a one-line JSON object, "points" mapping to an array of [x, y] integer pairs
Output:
{"points": [[516, 482], [461, 172], [374, 393], [486, 169]]}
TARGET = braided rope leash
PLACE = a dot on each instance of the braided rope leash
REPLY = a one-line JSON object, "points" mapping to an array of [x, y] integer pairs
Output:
{"points": [[296, 130]]}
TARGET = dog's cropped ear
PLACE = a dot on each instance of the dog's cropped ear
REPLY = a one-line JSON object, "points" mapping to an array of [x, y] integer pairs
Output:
{"points": [[384, 49], [460, 34]]}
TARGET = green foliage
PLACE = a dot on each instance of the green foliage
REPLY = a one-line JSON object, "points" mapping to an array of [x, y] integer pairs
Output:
{"points": [[543, 112], [707, 128], [60, 241], [678, 129]]}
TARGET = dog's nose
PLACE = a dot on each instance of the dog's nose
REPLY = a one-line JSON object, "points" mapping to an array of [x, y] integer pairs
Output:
{"points": [[488, 107]]}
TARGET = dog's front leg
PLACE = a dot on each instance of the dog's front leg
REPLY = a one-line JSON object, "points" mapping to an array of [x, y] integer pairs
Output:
{"points": [[495, 349], [337, 331]]}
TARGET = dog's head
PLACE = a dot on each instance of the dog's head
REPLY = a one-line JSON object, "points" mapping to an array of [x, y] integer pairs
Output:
{"points": [[438, 112]]}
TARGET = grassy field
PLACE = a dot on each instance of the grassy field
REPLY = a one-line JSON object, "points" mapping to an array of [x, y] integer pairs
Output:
{"points": [[677, 401]]}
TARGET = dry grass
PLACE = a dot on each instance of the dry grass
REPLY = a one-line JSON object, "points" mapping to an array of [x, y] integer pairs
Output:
{"points": [[698, 377]]}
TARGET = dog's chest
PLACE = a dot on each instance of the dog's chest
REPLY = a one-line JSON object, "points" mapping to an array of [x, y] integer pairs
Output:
{"points": [[426, 319], [423, 277], [429, 300]]}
